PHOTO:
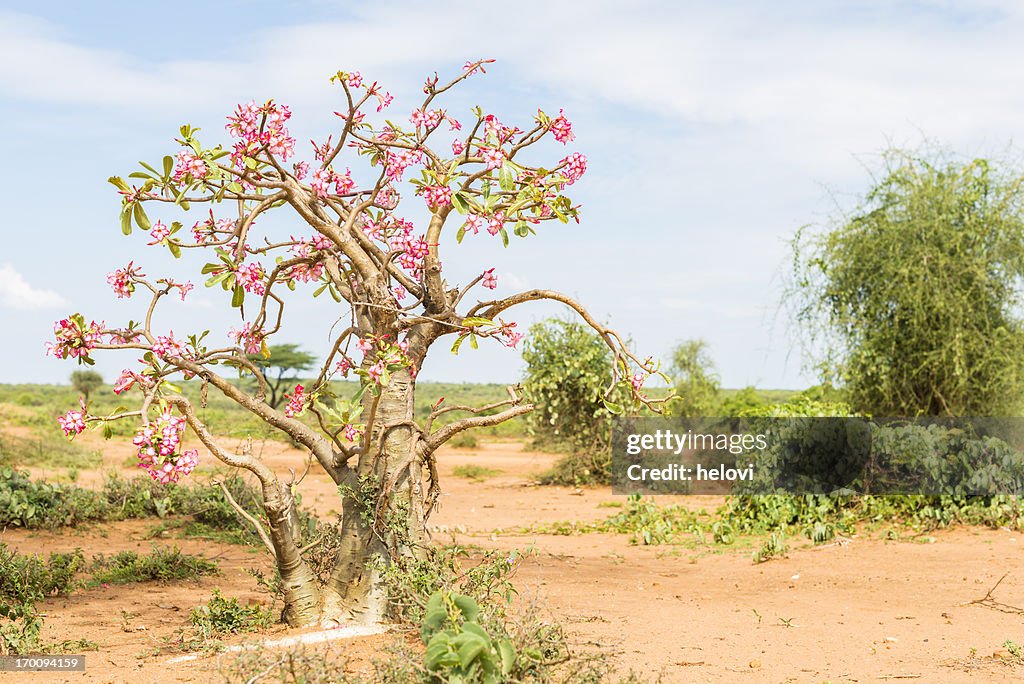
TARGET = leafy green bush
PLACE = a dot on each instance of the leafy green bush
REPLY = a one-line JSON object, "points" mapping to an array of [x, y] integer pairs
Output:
{"points": [[568, 368], [160, 564], [458, 648], [221, 615], [30, 504], [25, 581]]}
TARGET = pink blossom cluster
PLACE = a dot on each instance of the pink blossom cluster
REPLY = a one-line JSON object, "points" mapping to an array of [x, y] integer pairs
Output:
{"points": [[490, 281], [123, 280], [159, 449], [437, 196], [166, 347], [301, 169], [388, 357], [248, 338], [259, 126], [203, 231], [127, 380], [575, 165], [561, 128], [296, 402], [396, 161], [493, 127], [73, 422], [74, 338], [494, 223], [251, 278], [509, 337], [323, 178], [354, 433], [413, 250], [427, 119], [188, 165], [308, 249]]}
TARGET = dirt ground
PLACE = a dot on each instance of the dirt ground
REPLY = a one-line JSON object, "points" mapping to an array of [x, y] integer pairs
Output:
{"points": [[869, 610]]}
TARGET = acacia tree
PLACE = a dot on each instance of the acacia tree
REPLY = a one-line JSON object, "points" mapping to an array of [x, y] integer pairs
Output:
{"points": [[287, 360], [385, 275]]}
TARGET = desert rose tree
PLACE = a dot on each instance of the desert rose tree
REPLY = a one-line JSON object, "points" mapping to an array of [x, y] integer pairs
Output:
{"points": [[352, 243]]}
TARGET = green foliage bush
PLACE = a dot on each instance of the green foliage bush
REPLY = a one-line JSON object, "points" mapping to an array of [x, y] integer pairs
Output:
{"points": [[160, 564], [459, 650], [913, 301], [24, 582], [696, 383], [221, 615], [568, 368]]}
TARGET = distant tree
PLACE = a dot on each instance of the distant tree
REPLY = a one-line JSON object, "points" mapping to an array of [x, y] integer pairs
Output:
{"points": [[567, 372], [281, 368], [915, 297], [85, 381], [697, 384]]}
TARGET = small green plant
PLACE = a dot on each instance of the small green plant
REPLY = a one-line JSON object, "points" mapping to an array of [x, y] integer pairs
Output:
{"points": [[474, 472], [458, 648], [160, 564], [221, 615], [1015, 650], [773, 547]]}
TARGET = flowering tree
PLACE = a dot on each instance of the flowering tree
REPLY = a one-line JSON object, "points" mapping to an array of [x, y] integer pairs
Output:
{"points": [[385, 275]]}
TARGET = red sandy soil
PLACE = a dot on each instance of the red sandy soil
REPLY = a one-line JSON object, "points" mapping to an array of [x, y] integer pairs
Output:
{"points": [[870, 610]]}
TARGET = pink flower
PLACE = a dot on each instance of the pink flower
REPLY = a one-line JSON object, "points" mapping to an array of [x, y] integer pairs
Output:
{"points": [[159, 233], [127, 379], [495, 223], [74, 338], [562, 128], [343, 367], [321, 179], [166, 347], [250, 277], [473, 223], [248, 338], [492, 156], [353, 433], [355, 79], [301, 169], [427, 119], [436, 196], [364, 345], [296, 402], [458, 147], [343, 183], [188, 165], [122, 280], [376, 371], [574, 166], [490, 280], [637, 382], [73, 422], [400, 292], [184, 288], [511, 337], [159, 449]]}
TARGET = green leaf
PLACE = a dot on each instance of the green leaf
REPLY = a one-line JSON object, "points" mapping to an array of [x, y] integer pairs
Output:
{"points": [[458, 343], [168, 165], [175, 249], [237, 296], [459, 202], [507, 176], [140, 217], [473, 343], [476, 321], [504, 237], [126, 220], [460, 233], [118, 183]]}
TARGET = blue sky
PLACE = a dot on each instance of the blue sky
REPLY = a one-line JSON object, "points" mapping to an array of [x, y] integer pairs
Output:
{"points": [[714, 130]]}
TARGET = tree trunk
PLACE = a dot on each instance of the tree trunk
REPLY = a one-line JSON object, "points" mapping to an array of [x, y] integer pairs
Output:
{"points": [[382, 507]]}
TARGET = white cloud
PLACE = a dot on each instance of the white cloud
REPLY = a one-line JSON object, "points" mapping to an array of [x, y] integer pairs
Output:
{"points": [[16, 293]]}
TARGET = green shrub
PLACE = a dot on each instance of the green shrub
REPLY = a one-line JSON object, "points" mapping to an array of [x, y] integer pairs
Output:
{"points": [[221, 615], [160, 564], [474, 472], [25, 581], [30, 504], [458, 649]]}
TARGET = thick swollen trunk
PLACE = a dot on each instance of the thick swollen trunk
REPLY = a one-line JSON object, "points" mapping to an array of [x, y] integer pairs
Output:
{"points": [[382, 516]]}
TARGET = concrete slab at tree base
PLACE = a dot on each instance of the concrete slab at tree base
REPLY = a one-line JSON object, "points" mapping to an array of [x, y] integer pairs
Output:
{"points": [[344, 632]]}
